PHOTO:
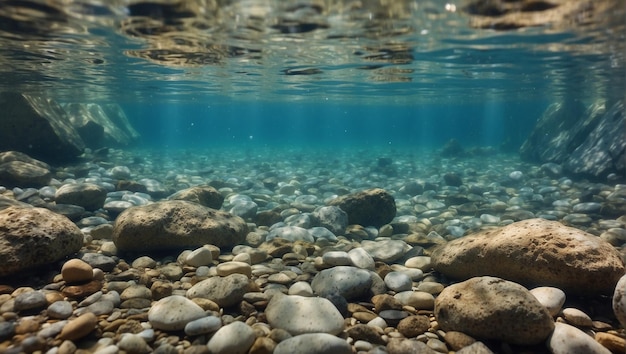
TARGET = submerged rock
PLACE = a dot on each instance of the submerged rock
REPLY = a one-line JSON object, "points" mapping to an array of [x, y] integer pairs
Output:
{"points": [[203, 195], [493, 308], [534, 252], [372, 207], [176, 224], [32, 237], [20, 170]]}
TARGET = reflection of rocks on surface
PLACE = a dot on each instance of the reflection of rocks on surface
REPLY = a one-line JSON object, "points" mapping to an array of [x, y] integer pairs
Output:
{"points": [[551, 254], [46, 130], [590, 144], [32, 237]]}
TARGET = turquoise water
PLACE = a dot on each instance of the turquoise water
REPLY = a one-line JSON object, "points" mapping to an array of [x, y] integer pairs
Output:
{"points": [[317, 73]]}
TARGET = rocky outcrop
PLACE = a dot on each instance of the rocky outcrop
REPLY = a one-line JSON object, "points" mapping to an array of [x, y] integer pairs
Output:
{"points": [[33, 237], [372, 207], [592, 144], [534, 252], [176, 224]]}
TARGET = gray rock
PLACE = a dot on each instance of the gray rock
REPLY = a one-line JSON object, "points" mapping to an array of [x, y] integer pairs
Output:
{"points": [[176, 224], [475, 305], [332, 218], [31, 300], [32, 237], [313, 343], [294, 314], [225, 291], [133, 343], [398, 281], [322, 232], [568, 339], [23, 174], [172, 313], [203, 325], [349, 282], [386, 251], [234, 338], [361, 259], [373, 207], [87, 195], [120, 172], [244, 209], [290, 233], [551, 298], [60, 310], [101, 261]]}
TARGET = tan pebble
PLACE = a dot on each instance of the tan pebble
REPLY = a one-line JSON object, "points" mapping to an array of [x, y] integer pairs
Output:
{"points": [[577, 317], [615, 344], [79, 327], [206, 304], [458, 340], [228, 268], [27, 325], [262, 345], [98, 274], [413, 326], [76, 271], [53, 296], [22, 290], [243, 257], [364, 317], [67, 347], [161, 289]]}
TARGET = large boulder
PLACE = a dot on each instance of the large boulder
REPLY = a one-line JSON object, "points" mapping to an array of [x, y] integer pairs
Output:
{"points": [[203, 195], [20, 170], [493, 308], [176, 224], [32, 237], [590, 143], [372, 207], [534, 252], [38, 127]]}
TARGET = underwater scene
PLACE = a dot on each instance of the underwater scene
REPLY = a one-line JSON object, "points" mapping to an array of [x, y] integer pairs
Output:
{"points": [[312, 176]]}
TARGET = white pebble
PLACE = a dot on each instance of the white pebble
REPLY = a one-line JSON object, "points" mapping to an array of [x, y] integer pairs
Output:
{"points": [[551, 298]]}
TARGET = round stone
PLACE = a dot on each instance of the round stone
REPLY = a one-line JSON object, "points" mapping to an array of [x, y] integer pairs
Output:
{"points": [[203, 325], [233, 267], [199, 257], [301, 288], [313, 343], [299, 314], [413, 326], [337, 258], [349, 282], [619, 301], [576, 317], [172, 313], [551, 298], [234, 338], [31, 300], [60, 310], [566, 339], [76, 271], [361, 259], [418, 299], [398, 281], [79, 327]]}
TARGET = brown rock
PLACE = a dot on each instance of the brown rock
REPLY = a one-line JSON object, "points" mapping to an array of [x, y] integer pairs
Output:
{"points": [[87, 195], [203, 195], [176, 224], [76, 271], [535, 252], [81, 291], [615, 344], [372, 207], [32, 237], [262, 345], [79, 327], [384, 302], [413, 326], [493, 308], [457, 340], [22, 174], [366, 333]]}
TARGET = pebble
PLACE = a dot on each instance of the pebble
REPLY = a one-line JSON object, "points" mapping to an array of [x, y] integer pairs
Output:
{"points": [[234, 267], [361, 259], [293, 314], [203, 325], [79, 327], [234, 338], [619, 301], [349, 282], [398, 281], [199, 257], [313, 343], [577, 318], [76, 271], [28, 301], [132, 343], [173, 313], [301, 288], [566, 339], [386, 251], [419, 262], [60, 310], [551, 298], [418, 299], [337, 258]]}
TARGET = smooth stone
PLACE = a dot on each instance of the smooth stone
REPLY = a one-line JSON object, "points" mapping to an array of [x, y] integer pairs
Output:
{"points": [[136, 291], [96, 260], [418, 299], [103, 307], [473, 306], [201, 256], [290, 233], [243, 257], [203, 325], [144, 262], [50, 331], [132, 343], [576, 317], [301, 288], [398, 281], [332, 218], [313, 343], [225, 291], [377, 322], [619, 301], [412, 326], [430, 287], [361, 259], [299, 314], [79, 327], [234, 338], [365, 332], [372, 207], [60, 310], [227, 268], [612, 342], [387, 250], [458, 340], [349, 282], [566, 339], [552, 254], [87, 195], [172, 313], [551, 298], [28, 301], [337, 258]]}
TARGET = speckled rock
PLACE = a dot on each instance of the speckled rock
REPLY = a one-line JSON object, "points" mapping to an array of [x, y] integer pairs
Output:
{"points": [[619, 301], [293, 314], [32, 237], [23, 174], [332, 218], [372, 207], [173, 313], [203, 195], [493, 308], [87, 195], [568, 339], [225, 291], [234, 338], [176, 224], [313, 343], [553, 255], [349, 282]]}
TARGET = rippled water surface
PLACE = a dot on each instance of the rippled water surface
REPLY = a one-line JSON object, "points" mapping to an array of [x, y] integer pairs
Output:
{"points": [[348, 51]]}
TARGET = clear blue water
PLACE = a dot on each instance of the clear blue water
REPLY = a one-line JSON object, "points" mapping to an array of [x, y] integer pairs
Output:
{"points": [[335, 73]]}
